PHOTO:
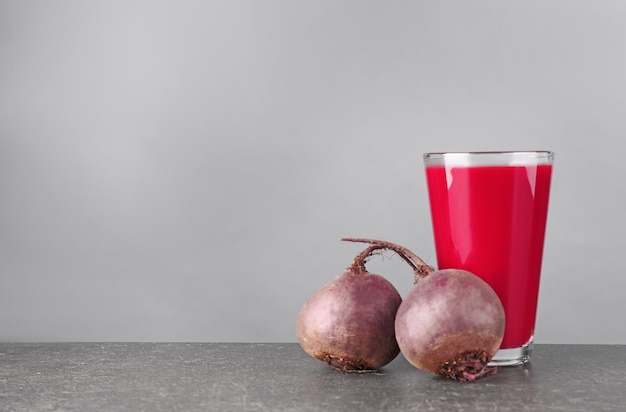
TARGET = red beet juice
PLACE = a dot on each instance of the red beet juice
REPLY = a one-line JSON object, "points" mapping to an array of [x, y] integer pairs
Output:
{"points": [[490, 220]]}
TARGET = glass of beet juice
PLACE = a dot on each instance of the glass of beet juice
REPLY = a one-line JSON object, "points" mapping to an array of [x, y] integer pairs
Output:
{"points": [[489, 213]]}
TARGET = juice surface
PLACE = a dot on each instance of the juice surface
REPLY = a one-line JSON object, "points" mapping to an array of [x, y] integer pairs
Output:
{"points": [[490, 220]]}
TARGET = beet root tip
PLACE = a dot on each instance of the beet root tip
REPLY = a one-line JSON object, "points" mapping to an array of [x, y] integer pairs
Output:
{"points": [[347, 365], [468, 366]]}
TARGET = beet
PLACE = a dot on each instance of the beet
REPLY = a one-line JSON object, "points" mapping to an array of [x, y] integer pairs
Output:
{"points": [[350, 322], [451, 323]]}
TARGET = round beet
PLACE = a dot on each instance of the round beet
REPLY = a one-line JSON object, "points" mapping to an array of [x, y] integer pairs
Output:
{"points": [[350, 322], [451, 323]]}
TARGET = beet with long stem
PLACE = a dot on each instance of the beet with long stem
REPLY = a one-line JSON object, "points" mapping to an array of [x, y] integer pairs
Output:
{"points": [[349, 322]]}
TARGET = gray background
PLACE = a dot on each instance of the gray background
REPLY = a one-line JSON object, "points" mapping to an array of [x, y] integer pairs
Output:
{"points": [[183, 171]]}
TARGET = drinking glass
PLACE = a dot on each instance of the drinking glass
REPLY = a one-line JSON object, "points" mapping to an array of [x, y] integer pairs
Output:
{"points": [[489, 212]]}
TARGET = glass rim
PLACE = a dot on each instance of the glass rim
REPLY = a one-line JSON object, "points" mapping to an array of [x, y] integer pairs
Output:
{"points": [[486, 158]]}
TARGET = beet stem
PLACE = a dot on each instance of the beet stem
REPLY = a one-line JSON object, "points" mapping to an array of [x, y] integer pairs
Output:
{"points": [[420, 268]]}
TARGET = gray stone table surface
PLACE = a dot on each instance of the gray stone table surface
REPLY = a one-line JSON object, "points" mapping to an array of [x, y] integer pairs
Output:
{"points": [[281, 377]]}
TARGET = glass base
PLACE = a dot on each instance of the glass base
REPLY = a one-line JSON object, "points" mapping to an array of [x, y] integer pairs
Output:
{"points": [[513, 356]]}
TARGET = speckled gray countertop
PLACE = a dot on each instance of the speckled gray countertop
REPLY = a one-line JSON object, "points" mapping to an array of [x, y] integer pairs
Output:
{"points": [[281, 377]]}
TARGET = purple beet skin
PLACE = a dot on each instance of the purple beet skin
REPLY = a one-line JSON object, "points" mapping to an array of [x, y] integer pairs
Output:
{"points": [[451, 323]]}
